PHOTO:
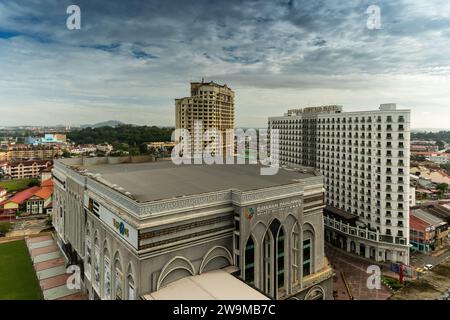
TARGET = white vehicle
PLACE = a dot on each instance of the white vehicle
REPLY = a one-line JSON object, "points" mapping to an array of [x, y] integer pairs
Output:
{"points": [[428, 267]]}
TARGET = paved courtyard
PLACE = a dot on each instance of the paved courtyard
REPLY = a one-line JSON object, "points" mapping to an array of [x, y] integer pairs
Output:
{"points": [[27, 227], [50, 268], [354, 270]]}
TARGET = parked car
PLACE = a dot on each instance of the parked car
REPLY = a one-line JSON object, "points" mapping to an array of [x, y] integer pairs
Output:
{"points": [[428, 267], [2, 234]]}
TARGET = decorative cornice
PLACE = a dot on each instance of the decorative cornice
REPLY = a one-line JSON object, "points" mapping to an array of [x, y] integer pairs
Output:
{"points": [[185, 203], [127, 204]]}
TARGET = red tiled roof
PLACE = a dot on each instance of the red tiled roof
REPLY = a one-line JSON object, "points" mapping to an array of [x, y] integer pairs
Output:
{"points": [[417, 224], [23, 196], [47, 183], [44, 193], [41, 192]]}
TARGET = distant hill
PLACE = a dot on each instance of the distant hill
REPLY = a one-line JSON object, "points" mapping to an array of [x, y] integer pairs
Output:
{"points": [[110, 123]]}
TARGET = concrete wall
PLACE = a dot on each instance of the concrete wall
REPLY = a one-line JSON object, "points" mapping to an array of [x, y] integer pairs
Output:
{"points": [[86, 161], [155, 270]]}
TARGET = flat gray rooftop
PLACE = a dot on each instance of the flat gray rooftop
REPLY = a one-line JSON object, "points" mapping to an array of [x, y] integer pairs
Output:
{"points": [[150, 181]]}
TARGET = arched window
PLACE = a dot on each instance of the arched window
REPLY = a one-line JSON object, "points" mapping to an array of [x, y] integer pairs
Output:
{"points": [[118, 274], [96, 264], [131, 288], [274, 259], [267, 263], [107, 276], [315, 294], [280, 259], [295, 255], [88, 259], [249, 268], [308, 252]]}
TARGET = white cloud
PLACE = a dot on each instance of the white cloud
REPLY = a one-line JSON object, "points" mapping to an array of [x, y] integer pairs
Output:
{"points": [[132, 59]]}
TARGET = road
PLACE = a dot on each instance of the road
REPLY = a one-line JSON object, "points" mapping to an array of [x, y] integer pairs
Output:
{"points": [[419, 259]]}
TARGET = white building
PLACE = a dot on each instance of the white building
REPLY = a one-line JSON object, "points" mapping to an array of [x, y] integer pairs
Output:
{"points": [[105, 148], [364, 158], [439, 157], [3, 193], [84, 149], [412, 196]]}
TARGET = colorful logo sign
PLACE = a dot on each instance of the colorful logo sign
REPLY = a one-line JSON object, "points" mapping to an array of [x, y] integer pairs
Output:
{"points": [[249, 213], [120, 226]]}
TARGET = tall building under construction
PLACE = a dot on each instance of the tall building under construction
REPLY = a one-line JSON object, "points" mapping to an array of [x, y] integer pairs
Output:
{"points": [[210, 104]]}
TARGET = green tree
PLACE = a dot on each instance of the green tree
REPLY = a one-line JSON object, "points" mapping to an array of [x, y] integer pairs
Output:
{"points": [[446, 167], [5, 227], [48, 221], [66, 154], [443, 188], [143, 148], [419, 158], [33, 183], [127, 134]]}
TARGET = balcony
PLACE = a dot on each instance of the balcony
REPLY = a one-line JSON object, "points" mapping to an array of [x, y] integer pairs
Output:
{"points": [[362, 233]]}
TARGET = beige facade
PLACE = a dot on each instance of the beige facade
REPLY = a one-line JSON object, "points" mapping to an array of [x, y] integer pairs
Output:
{"points": [[433, 175], [27, 169], [210, 103], [24, 152], [134, 239]]}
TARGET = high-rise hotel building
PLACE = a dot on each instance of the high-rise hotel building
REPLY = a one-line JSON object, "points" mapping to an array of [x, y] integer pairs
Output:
{"points": [[210, 103], [364, 158]]}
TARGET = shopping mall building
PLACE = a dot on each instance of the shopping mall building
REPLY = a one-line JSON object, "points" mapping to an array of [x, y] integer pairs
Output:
{"points": [[155, 230]]}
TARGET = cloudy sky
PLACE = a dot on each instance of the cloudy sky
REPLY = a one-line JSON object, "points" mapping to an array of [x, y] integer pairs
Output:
{"points": [[131, 59]]}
